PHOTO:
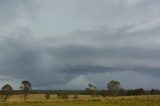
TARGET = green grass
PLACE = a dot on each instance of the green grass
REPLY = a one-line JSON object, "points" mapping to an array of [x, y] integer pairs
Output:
{"points": [[39, 100]]}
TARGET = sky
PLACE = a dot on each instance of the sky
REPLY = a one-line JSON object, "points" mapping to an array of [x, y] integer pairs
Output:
{"points": [[67, 44]]}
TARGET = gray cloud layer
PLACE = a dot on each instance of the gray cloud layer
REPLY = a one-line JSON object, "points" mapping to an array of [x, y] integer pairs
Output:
{"points": [[59, 44]]}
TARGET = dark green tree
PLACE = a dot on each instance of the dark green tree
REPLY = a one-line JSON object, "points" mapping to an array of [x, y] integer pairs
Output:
{"points": [[103, 93], [138, 91], [26, 87], [113, 87], [155, 92], [6, 92], [91, 90], [130, 92]]}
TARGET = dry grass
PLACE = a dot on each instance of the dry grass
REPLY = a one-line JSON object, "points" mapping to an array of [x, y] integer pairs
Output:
{"points": [[83, 100]]}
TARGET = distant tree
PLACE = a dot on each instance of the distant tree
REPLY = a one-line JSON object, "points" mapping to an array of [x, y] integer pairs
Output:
{"points": [[26, 87], [103, 93], [130, 92], [155, 92], [87, 91], [91, 90], [122, 92], [6, 92], [138, 91], [113, 87]]}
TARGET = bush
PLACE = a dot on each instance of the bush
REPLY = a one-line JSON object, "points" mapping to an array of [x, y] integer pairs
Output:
{"points": [[47, 96], [62, 95], [76, 96]]}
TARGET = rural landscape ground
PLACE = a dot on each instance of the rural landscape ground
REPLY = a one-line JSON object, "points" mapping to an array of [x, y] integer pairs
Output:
{"points": [[83, 100], [79, 52]]}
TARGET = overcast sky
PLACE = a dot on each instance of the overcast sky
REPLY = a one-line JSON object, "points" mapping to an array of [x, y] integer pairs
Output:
{"points": [[66, 44]]}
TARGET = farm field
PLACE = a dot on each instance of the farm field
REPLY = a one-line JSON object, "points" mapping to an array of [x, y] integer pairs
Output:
{"points": [[39, 100]]}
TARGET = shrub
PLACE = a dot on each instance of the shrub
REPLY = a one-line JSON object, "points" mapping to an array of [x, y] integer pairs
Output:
{"points": [[76, 96], [47, 96], [62, 95]]}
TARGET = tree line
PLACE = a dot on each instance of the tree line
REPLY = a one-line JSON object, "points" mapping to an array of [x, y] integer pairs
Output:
{"points": [[113, 88]]}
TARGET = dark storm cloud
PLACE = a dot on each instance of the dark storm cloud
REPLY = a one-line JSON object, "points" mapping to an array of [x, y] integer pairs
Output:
{"points": [[23, 57], [107, 38]]}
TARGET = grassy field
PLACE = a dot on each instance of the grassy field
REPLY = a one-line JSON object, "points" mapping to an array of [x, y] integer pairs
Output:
{"points": [[39, 100]]}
